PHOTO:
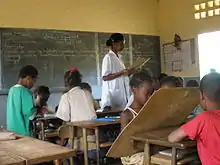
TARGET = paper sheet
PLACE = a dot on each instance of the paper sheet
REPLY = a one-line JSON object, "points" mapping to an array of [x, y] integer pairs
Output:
{"points": [[177, 66], [169, 67], [178, 60]]}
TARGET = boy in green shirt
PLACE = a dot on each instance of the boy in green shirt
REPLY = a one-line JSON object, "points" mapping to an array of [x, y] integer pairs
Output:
{"points": [[20, 103]]}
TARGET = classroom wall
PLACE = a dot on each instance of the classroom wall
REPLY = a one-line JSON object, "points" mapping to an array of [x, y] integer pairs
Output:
{"points": [[177, 16], [127, 16]]}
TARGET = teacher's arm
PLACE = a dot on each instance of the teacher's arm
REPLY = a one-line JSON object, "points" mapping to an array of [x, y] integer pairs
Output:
{"points": [[114, 75], [107, 70]]}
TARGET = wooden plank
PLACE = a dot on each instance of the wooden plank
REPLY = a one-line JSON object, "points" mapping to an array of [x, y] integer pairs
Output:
{"points": [[35, 151], [166, 160], [93, 124], [9, 159], [160, 137], [166, 107]]}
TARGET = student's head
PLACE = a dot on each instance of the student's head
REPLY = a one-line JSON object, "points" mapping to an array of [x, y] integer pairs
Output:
{"points": [[162, 76], [116, 42], [192, 83], [42, 94], [210, 91], [72, 78], [86, 86], [156, 83], [170, 82], [181, 81], [28, 76], [142, 88]]}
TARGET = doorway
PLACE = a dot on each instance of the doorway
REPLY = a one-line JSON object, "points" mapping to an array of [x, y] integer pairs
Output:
{"points": [[209, 53]]}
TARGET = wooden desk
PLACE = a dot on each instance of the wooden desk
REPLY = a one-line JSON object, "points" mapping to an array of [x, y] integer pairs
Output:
{"points": [[9, 159], [160, 137], [34, 151], [94, 125], [43, 135]]}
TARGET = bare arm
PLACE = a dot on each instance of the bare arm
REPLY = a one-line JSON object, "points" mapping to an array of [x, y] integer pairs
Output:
{"points": [[177, 136], [114, 75], [125, 119]]}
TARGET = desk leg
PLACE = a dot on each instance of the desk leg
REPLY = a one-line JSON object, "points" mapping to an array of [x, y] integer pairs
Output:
{"points": [[71, 130], [85, 144], [97, 145], [173, 160], [42, 131], [147, 154]]}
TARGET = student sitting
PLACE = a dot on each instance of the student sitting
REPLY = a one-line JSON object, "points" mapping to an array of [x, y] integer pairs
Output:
{"points": [[162, 76], [86, 86], [76, 104], [198, 109], [170, 82], [155, 84], [141, 85], [205, 127], [20, 103], [41, 95], [181, 81]]}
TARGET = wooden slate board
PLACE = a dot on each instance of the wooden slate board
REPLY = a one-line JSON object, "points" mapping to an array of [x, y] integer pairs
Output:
{"points": [[166, 107]]}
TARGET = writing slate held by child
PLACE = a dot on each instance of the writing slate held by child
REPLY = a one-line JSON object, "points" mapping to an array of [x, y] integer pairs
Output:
{"points": [[20, 103], [204, 128]]}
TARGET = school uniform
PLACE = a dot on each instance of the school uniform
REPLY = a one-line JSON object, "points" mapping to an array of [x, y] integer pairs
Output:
{"points": [[20, 107], [205, 129], [115, 93], [76, 105]]}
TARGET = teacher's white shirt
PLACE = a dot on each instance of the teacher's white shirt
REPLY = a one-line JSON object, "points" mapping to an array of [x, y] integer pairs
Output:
{"points": [[115, 93]]}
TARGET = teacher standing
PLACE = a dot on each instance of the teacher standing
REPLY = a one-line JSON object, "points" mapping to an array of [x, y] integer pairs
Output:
{"points": [[115, 84]]}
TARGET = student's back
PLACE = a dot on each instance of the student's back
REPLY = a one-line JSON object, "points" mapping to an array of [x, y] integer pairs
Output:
{"points": [[76, 104], [205, 128]]}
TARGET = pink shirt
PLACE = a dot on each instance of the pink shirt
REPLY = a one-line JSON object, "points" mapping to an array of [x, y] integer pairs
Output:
{"points": [[205, 128]]}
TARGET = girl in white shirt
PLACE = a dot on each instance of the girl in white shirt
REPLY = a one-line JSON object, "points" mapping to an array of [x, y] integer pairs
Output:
{"points": [[115, 84], [76, 104]]}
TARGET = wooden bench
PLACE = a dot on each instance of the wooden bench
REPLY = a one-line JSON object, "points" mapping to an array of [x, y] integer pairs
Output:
{"points": [[166, 160]]}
